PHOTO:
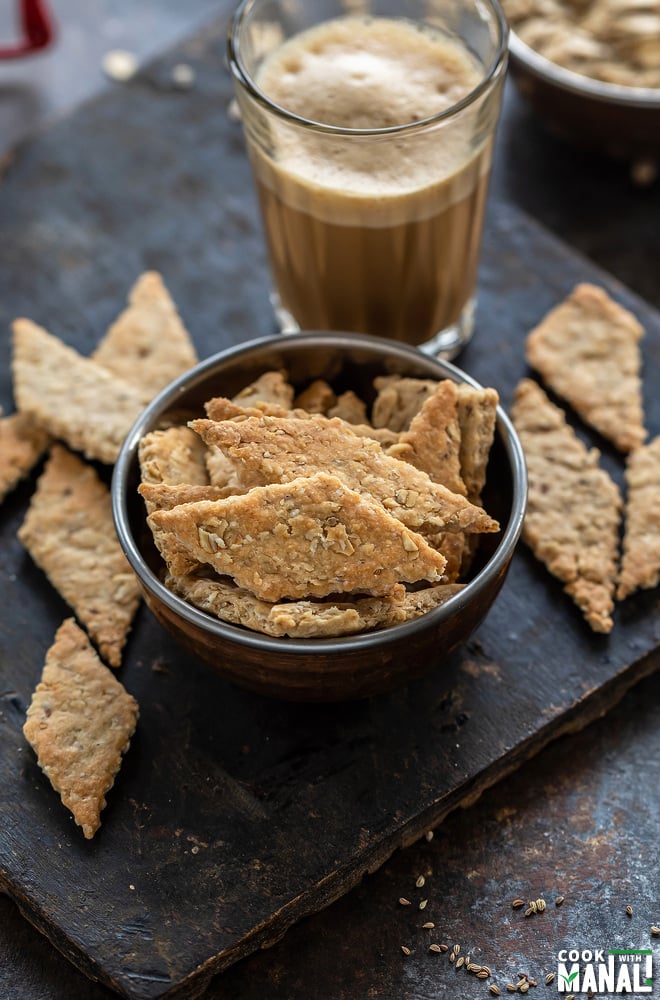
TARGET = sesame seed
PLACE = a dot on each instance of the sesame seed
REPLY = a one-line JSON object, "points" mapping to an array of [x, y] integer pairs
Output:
{"points": [[405, 950]]}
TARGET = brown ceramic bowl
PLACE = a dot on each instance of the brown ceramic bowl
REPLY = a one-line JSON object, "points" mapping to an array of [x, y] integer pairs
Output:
{"points": [[622, 122], [318, 669]]}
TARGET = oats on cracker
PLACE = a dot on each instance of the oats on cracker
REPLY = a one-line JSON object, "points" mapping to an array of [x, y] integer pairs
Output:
{"points": [[398, 399], [587, 351], [477, 416], [174, 455], [80, 723], [147, 346], [308, 537], [22, 443], [71, 396], [640, 564], [271, 387], [349, 407], [432, 442], [303, 619], [69, 532], [574, 508], [275, 450]]}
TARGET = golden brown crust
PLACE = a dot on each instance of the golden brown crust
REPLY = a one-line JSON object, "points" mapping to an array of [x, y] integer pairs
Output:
{"points": [[309, 537], [398, 399], [175, 455], [574, 508], [432, 443], [349, 407], [69, 532], [271, 387], [275, 450], [22, 443], [477, 415], [587, 351], [640, 565], [147, 346], [80, 722], [71, 396], [317, 397]]}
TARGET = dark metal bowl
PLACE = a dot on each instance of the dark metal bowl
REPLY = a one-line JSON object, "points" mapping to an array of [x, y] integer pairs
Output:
{"points": [[622, 122], [318, 669]]}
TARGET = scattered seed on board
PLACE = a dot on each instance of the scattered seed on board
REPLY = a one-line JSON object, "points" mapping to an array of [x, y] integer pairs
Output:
{"points": [[523, 988], [404, 901], [457, 949], [529, 911], [511, 988], [452, 957], [486, 969], [550, 978], [460, 962], [495, 990], [559, 900], [473, 967], [428, 926], [540, 905], [435, 948], [521, 982], [517, 903], [483, 974], [420, 882], [655, 931], [405, 950], [629, 911], [444, 947], [423, 903]]}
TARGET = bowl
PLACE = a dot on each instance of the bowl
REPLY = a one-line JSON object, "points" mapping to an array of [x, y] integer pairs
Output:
{"points": [[622, 122], [318, 670]]}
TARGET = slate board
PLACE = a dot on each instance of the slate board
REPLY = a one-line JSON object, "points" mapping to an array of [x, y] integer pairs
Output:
{"points": [[235, 816]]}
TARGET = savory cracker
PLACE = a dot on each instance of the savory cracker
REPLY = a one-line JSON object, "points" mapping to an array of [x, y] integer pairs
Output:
{"points": [[147, 346], [308, 537], [80, 723], [69, 532], [398, 399], [349, 407], [73, 397], [477, 416], [271, 387], [317, 397], [587, 351], [164, 496], [174, 455], [574, 508], [276, 450], [418, 602], [22, 443], [302, 619], [640, 564], [432, 442]]}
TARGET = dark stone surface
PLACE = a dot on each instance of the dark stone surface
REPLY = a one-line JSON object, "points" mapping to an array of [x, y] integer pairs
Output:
{"points": [[234, 817]]}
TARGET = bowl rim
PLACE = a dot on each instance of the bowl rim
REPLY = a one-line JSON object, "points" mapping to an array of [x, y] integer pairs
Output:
{"points": [[646, 98], [278, 644]]}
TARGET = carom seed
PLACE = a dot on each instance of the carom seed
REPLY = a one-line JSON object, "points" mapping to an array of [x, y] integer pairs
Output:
{"points": [[559, 900], [550, 978], [486, 969], [420, 882], [529, 911], [511, 988], [495, 990], [444, 947], [457, 949], [428, 926], [405, 950], [423, 904], [540, 905], [435, 948], [524, 987], [629, 911], [429, 835], [517, 903], [483, 974], [404, 901], [460, 962], [655, 931], [452, 957], [532, 982]]}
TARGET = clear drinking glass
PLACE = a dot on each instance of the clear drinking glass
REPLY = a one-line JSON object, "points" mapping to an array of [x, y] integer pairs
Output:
{"points": [[370, 128]]}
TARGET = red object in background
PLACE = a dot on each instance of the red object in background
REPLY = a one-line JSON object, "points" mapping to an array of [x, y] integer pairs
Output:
{"points": [[36, 29]]}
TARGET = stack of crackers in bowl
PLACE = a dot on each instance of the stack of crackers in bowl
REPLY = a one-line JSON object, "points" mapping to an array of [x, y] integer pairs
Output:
{"points": [[78, 410], [587, 352], [317, 516]]}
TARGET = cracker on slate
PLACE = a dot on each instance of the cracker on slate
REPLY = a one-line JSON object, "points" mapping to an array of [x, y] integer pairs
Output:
{"points": [[22, 443], [148, 346], [309, 537], [80, 722], [574, 508], [640, 564], [301, 619], [69, 532], [71, 396], [274, 450], [587, 351]]}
